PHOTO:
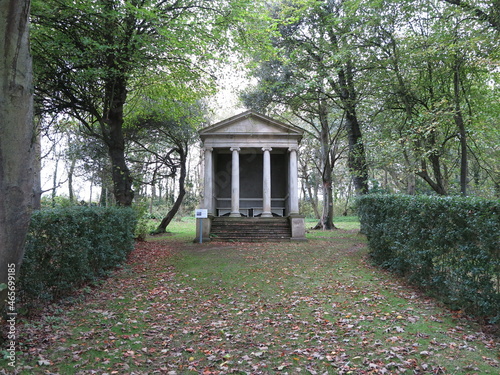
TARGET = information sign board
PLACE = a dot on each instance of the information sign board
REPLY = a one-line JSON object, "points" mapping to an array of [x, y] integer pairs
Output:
{"points": [[201, 213]]}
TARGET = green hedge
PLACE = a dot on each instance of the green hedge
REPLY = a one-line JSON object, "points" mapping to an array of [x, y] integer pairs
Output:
{"points": [[68, 247], [450, 246]]}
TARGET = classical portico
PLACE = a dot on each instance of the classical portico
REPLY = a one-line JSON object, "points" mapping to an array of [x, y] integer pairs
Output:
{"points": [[250, 169]]}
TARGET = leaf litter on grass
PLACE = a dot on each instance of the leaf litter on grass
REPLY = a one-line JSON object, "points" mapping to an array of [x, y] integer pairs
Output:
{"points": [[255, 308]]}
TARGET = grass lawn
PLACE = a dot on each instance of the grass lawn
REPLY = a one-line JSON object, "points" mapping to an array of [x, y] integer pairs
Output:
{"points": [[315, 307]]}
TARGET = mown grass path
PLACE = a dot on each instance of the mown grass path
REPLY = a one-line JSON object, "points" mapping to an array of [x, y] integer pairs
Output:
{"points": [[254, 308]]}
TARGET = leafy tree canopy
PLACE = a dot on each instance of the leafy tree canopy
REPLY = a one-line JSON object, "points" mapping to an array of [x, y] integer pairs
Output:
{"points": [[96, 58]]}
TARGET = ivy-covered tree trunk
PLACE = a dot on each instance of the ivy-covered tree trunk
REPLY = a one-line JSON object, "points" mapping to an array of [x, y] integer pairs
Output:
{"points": [[16, 139], [112, 131], [115, 88], [356, 159]]}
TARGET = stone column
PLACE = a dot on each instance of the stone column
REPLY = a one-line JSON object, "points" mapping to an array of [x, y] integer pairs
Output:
{"points": [[208, 181], [235, 183], [266, 183], [293, 183]]}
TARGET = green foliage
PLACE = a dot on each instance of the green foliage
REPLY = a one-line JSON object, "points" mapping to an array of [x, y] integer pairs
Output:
{"points": [[449, 246], [67, 247], [340, 208], [422, 88], [57, 202], [143, 227], [97, 61]]}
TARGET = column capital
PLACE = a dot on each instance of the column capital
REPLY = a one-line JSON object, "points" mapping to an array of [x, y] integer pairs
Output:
{"points": [[208, 149], [235, 149], [293, 148], [267, 149]]}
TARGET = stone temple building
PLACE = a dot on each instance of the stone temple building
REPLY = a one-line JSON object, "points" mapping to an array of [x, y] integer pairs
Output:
{"points": [[251, 179]]}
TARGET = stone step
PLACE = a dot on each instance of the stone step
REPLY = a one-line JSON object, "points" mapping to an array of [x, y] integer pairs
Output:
{"points": [[250, 229], [228, 233]]}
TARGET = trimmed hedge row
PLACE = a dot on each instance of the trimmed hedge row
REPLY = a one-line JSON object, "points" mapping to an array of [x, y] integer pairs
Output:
{"points": [[450, 246], [68, 247]]}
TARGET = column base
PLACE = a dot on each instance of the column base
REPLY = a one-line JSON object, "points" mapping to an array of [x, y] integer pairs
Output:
{"points": [[266, 214], [234, 214]]}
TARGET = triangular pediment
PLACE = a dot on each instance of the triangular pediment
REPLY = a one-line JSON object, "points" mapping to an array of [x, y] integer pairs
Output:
{"points": [[250, 123]]}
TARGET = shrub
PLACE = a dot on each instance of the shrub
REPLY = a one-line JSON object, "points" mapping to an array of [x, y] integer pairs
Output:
{"points": [[447, 245], [67, 247]]}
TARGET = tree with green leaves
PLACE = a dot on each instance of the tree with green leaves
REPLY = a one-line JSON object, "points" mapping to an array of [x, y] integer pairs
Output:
{"points": [[277, 87], [318, 43], [418, 78], [430, 69], [94, 58], [484, 11], [160, 143], [315, 71]]}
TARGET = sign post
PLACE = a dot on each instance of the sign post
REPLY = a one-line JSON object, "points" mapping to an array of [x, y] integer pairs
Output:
{"points": [[201, 213]]}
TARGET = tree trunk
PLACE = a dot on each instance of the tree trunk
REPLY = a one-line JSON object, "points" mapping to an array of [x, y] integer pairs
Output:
{"points": [[90, 190], [71, 172], [115, 96], [313, 198], [356, 161], [37, 169], [346, 90], [112, 129], [326, 222], [102, 197], [307, 189], [16, 140], [347, 199], [162, 228], [54, 182], [411, 182], [462, 135], [436, 185], [122, 180], [153, 192]]}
